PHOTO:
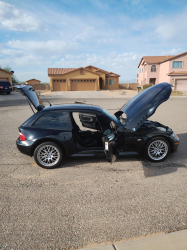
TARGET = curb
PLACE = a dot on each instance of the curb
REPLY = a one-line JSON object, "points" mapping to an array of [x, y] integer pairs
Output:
{"points": [[172, 241]]}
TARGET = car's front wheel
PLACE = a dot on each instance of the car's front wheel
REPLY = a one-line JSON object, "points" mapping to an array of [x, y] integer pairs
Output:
{"points": [[48, 155], [157, 149]]}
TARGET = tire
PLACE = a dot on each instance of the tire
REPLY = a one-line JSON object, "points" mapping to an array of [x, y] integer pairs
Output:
{"points": [[48, 155], [8, 93], [157, 149]]}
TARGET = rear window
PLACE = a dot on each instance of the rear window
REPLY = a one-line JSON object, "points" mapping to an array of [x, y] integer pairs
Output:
{"points": [[4, 84], [54, 120]]}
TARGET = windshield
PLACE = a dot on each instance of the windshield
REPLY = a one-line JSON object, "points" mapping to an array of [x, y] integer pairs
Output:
{"points": [[112, 117]]}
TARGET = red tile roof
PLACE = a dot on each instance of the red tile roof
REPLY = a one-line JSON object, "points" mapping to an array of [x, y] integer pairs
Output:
{"points": [[9, 72], [62, 71], [33, 79], [159, 59], [59, 71]]}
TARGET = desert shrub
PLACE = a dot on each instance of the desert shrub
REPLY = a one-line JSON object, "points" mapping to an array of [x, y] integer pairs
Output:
{"points": [[147, 86]]}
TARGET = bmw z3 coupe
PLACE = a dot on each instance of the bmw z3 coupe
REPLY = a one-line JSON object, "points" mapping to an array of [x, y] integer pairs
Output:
{"points": [[51, 134]]}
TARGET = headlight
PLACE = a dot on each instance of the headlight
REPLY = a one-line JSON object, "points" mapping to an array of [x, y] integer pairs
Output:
{"points": [[173, 135]]}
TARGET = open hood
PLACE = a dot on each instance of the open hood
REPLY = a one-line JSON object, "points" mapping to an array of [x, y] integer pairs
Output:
{"points": [[144, 104], [33, 97]]}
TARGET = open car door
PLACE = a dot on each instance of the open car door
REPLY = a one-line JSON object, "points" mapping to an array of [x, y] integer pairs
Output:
{"points": [[112, 137]]}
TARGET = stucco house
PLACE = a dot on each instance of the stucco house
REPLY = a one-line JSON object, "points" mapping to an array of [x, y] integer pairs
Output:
{"points": [[6, 75], [81, 79], [32, 81], [157, 69]]}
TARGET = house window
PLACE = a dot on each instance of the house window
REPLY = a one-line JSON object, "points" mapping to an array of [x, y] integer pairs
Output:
{"points": [[115, 82], [64, 80], [177, 64], [141, 82], [60, 80], [153, 68], [106, 82], [139, 70], [142, 69], [145, 67], [111, 81], [57, 80], [54, 80], [81, 71]]}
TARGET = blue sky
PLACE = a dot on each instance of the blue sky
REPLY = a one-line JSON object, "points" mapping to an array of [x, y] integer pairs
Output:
{"points": [[109, 34]]}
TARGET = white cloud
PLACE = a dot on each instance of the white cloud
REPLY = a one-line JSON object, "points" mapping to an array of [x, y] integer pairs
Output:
{"points": [[25, 60], [172, 52], [43, 48], [124, 64], [13, 19], [172, 27]]}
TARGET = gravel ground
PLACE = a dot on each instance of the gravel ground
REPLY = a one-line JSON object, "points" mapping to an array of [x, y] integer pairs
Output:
{"points": [[89, 201]]}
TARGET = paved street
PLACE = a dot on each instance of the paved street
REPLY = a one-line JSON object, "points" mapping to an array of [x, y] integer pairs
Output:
{"points": [[87, 202]]}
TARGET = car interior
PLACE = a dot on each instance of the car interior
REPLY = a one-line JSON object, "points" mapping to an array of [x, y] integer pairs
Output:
{"points": [[91, 137]]}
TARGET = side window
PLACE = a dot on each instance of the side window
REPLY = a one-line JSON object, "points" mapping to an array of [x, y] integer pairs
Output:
{"points": [[54, 120]]}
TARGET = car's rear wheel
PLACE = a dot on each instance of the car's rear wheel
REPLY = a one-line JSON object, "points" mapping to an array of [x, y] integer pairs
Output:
{"points": [[48, 155], [157, 149]]}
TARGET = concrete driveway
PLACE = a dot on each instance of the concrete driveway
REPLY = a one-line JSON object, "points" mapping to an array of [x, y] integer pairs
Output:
{"points": [[88, 201]]}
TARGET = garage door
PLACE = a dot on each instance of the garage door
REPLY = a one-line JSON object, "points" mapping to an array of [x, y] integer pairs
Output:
{"points": [[59, 86], [83, 85], [181, 85]]}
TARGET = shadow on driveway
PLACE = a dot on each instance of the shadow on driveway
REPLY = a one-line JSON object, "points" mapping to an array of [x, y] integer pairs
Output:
{"points": [[174, 161]]}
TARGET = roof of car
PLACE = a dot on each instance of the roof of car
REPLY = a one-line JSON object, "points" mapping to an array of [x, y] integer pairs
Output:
{"points": [[75, 107]]}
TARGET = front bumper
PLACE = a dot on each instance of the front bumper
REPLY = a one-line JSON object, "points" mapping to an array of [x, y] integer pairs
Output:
{"points": [[175, 143], [25, 147]]}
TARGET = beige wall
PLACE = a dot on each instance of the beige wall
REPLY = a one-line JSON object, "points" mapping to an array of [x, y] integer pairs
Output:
{"points": [[132, 86], [32, 82], [5, 76], [40, 86], [112, 87], [164, 70]]}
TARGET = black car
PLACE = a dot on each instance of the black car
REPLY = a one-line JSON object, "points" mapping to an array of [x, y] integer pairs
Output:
{"points": [[5, 87], [52, 133]]}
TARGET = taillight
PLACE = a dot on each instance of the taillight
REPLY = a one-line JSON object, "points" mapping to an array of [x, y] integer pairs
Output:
{"points": [[10, 87], [1, 87], [22, 137]]}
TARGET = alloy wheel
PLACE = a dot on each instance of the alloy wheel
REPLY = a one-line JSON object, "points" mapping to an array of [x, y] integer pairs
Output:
{"points": [[157, 150], [48, 155]]}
